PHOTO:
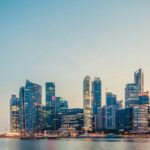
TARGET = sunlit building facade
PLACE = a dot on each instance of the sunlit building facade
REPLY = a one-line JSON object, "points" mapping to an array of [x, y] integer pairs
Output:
{"points": [[87, 98], [140, 119], [14, 114], [72, 119]]}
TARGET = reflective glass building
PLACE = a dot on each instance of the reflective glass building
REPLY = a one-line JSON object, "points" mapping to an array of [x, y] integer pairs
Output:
{"points": [[96, 95], [139, 80], [32, 107], [110, 111], [131, 95]]}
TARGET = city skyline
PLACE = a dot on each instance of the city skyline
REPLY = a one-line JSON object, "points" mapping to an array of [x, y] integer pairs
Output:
{"points": [[29, 116], [63, 42]]}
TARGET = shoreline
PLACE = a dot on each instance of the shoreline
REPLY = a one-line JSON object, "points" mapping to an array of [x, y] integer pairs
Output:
{"points": [[90, 137]]}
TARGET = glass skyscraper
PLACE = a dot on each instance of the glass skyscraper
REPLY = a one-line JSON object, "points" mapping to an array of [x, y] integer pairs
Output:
{"points": [[139, 80], [50, 91], [96, 95], [22, 108], [33, 107], [131, 95], [111, 111], [87, 103], [50, 106]]}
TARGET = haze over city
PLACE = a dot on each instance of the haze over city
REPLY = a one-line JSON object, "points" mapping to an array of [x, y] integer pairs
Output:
{"points": [[63, 41]]}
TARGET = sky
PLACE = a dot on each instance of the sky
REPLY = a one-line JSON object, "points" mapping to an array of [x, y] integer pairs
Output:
{"points": [[64, 40]]}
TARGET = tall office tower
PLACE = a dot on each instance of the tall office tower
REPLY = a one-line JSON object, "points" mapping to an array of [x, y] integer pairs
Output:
{"points": [[14, 114], [96, 95], [43, 122], [50, 97], [50, 91], [131, 95], [33, 107], [100, 119], [140, 119], [139, 80], [124, 119], [22, 109], [55, 113], [87, 103], [110, 111], [144, 98]]}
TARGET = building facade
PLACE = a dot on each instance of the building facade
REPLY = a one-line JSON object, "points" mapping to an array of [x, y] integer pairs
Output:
{"points": [[72, 119], [139, 80], [33, 107], [140, 119], [50, 105], [131, 95], [14, 114], [87, 100], [110, 111]]}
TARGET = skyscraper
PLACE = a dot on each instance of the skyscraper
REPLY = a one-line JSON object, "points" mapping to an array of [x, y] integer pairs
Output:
{"points": [[139, 80], [96, 94], [140, 118], [50, 91], [110, 111], [87, 103], [144, 98], [50, 100], [14, 114], [33, 107], [131, 95], [22, 108]]}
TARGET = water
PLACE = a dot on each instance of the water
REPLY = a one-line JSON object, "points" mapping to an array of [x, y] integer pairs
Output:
{"points": [[75, 144]]}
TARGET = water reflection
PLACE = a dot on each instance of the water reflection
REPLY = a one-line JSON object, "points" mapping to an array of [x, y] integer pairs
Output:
{"points": [[75, 144]]}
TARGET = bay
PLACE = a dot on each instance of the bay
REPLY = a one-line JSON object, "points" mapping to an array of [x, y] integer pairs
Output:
{"points": [[76, 144]]}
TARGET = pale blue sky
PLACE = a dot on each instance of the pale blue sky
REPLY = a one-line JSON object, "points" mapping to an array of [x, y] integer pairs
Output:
{"points": [[64, 40]]}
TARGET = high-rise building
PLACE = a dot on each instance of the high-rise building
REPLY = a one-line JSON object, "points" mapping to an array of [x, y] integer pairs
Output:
{"points": [[111, 111], [14, 114], [120, 119], [87, 103], [33, 107], [139, 80], [140, 119], [124, 119], [50, 97], [96, 95], [72, 119], [22, 108], [101, 119], [50, 91], [54, 114], [131, 95], [128, 119], [43, 118], [144, 98]]}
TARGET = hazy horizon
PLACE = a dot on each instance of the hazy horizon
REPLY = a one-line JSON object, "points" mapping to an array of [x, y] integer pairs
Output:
{"points": [[63, 41]]}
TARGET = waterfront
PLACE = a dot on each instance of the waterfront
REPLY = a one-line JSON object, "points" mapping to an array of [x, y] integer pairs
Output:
{"points": [[75, 144]]}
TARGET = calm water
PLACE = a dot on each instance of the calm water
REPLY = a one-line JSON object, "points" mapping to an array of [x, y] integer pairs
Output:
{"points": [[75, 144]]}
